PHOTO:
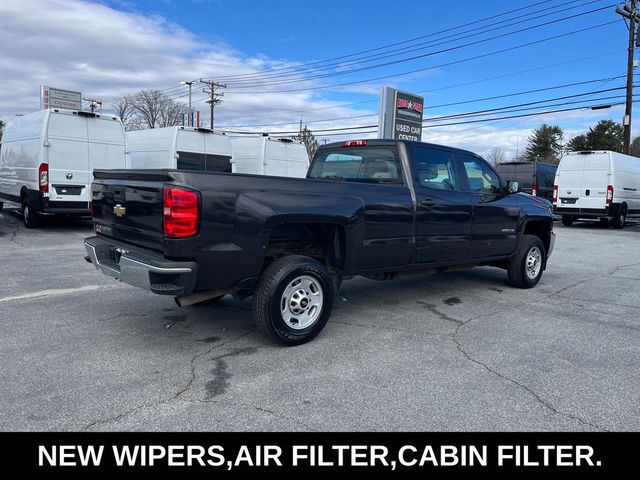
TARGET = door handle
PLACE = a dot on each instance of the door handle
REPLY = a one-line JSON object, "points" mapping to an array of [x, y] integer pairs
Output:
{"points": [[427, 202]]}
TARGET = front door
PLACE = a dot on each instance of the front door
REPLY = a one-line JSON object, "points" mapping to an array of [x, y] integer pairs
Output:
{"points": [[495, 215]]}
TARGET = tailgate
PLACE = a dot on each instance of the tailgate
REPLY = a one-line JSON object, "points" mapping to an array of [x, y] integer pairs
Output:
{"points": [[127, 206]]}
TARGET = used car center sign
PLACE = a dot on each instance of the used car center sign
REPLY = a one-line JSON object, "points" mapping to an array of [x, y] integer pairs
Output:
{"points": [[57, 98], [400, 115]]}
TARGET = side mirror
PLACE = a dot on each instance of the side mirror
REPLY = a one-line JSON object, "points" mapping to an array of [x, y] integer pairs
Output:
{"points": [[512, 186]]}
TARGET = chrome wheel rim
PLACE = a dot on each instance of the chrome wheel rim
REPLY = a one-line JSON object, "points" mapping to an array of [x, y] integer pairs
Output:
{"points": [[25, 213], [301, 302], [533, 263]]}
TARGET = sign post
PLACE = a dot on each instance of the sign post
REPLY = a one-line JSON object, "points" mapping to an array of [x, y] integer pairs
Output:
{"points": [[401, 115]]}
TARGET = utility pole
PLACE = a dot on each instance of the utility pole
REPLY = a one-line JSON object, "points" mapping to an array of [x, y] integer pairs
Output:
{"points": [[213, 90], [630, 12], [93, 104], [184, 82]]}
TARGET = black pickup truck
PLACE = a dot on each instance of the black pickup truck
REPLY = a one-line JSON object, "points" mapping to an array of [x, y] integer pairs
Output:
{"points": [[377, 208]]}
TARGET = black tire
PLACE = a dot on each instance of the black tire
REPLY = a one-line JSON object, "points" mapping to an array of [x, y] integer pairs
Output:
{"points": [[567, 220], [518, 268], [620, 218], [270, 297], [1, 206], [29, 216]]}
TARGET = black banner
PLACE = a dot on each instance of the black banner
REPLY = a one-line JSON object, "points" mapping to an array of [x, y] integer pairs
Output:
{"points": [[393, 453]]}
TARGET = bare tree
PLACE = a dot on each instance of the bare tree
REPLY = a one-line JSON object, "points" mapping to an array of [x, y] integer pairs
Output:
{"points": [[171, 113], [496, 156], [149, 109], [148, 105]]}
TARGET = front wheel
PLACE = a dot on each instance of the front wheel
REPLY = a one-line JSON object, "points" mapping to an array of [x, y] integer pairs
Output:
{"points": [[293, 300], [525, 266]]}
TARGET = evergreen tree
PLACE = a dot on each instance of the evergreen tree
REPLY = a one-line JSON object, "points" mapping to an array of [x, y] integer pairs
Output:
{"points": [[578, 143], [605, 135], [545, 144], [310, 142]]}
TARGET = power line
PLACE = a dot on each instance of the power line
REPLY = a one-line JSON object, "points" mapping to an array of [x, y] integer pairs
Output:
{"points": [[424, 55], [535, 114], [465, 25], [476, 100], [464, 60], [414, 48], [383, 47]]}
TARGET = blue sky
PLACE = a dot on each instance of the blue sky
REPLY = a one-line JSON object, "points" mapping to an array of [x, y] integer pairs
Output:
{"points": [[162, 42]]}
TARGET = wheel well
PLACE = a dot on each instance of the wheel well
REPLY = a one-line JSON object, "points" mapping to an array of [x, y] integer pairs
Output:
{"points": [[324, 242], [540, 229]]}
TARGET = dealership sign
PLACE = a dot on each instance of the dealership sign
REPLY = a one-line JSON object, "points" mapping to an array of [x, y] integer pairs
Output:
{"points": [[56, 98], [400, 115]]}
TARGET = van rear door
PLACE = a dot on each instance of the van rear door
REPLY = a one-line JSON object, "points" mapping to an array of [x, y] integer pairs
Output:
{"points": [[106, 144], [595, 179], [68, 158]]}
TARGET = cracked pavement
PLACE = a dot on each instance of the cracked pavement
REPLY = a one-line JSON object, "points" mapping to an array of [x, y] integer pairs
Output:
{"points": [[457, 351]]}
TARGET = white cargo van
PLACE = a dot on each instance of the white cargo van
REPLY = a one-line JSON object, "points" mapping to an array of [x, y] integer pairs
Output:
{"points": [[182, 148], [597, 185], [47, 159], [279, 157]]}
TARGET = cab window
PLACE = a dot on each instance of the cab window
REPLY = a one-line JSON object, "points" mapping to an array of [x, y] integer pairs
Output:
{"points": [[482, 179], [435, 169], [366, 165]]}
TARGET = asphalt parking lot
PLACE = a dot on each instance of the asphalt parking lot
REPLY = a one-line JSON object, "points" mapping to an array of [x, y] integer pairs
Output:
{"points": [[457, 351]]}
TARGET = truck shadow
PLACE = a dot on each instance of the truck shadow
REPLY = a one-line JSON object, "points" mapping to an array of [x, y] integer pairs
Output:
{"points": [[51, 224], [631, 225]]}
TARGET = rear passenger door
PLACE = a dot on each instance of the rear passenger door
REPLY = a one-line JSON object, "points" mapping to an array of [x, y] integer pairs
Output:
{"points": [[495, 215], [443, 210]]}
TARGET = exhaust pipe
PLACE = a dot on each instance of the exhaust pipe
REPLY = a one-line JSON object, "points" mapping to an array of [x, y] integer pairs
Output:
{"points": [[186, 300]]}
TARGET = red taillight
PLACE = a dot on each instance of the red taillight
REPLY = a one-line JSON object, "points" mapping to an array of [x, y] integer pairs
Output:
{"points": [[534, 190], [554, 198], [180, 212], [43, 177], [609, 194], [354, 143]]}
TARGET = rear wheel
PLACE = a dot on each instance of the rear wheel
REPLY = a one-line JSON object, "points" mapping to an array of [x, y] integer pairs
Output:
{"points": [[29, 216], [620, 218], [525, 267], [1, 206], [567, 220], [293, 300]]}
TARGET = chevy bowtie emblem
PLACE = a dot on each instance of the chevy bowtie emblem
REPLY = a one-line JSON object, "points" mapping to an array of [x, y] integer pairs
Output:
{"points": [[119, 210]]}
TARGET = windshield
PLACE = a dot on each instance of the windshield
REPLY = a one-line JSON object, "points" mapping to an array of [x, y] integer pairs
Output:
{"points": [[357, 164]]}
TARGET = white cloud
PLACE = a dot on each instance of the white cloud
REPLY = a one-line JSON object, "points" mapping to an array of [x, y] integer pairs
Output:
{"points": [[105, 53]]}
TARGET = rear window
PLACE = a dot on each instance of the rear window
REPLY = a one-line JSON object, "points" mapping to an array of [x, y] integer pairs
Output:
{"points": [[353, 164], [201, 162]]}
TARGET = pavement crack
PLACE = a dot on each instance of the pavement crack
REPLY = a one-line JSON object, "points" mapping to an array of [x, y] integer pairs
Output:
{"points": [[538, 398], [14, 236], [282, 416], [378, 327], [176, 396]]}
